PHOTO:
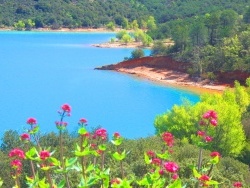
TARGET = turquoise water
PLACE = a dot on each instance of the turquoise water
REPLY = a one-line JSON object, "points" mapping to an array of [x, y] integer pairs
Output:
{"points": [[40, 71]]}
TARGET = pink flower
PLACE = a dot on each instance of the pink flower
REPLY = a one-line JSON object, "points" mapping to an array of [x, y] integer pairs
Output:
{"points": [[213, 114], [202, 123], [66, 108], [116, 135], [83, 121], [151, 153], [16, 152], [156, 161], [208, 139], [201, 133], [213, 122], [204, 178], [237, 184], [210, 114], [31, 121], [215, 154], [44, 155], [61, 125], [16, 164], [115, 181], [168, 138], [175, 176], [171, 167], [161, 172], [102, 133], [25, 137]]}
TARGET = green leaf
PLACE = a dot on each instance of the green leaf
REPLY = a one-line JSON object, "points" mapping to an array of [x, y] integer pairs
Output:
{"points": [[61, 184], [54, 161], [117, 141], [34, 130], [43, 184], [195, 173], [212, 182], [215, 160], [164, 155], [119, 156], [82, 131], [70, 162], [175, 184], [90, 168], [102, 147], [147, 159], [29, 154]]}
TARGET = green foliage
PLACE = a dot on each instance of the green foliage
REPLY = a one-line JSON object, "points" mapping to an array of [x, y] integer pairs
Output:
{"points": [[182, 120], [111, 26], [137, 53], [126, 38]]}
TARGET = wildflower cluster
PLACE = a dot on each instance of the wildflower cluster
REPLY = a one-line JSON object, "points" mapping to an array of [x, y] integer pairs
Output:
{"points": [[88, 159]]}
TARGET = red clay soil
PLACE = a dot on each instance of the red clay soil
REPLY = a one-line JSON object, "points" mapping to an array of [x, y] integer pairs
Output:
{"points": [[165, 62]]}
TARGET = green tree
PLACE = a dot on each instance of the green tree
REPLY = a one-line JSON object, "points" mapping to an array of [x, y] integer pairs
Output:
{"points": [[198, 33], [212, 22], [151, 23], [29, 24], [134, 24], [126, 39], [120, 34], [180, 36], [111, 26], [137, 53], [20, 25], [159, 48], [182, 121], [125, 23]]}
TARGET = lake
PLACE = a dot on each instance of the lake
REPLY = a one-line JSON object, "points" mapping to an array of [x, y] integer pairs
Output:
{"points": [[40, 71]]}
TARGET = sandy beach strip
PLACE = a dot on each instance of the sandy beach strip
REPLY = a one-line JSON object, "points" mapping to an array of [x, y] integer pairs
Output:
{"points": [[174, 79]]}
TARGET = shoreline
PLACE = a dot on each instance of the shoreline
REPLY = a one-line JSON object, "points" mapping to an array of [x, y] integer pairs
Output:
{"points": [[174, 79]]}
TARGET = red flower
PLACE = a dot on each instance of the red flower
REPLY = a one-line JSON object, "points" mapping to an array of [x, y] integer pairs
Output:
{"points": [[156, 161], [237, 184], [61, 125], [175, 176], [201, 133], [115, 181], [151, 153], [16, 164], [17, 152], [25, 137], [210, 114], [168, 138], [31, 121], [208, 139], [116, 135], [102, 133], [44, 155], [215, 154], [66, 108], [213, 122], [83, 121], [171, 167], [161, 172], [204, 178]]}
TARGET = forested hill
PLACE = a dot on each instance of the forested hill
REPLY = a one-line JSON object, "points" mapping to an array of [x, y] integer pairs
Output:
{"points": [[96, 13]]}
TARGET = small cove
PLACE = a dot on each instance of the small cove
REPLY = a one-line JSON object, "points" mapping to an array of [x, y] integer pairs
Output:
{"points": [[42, 70]]}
